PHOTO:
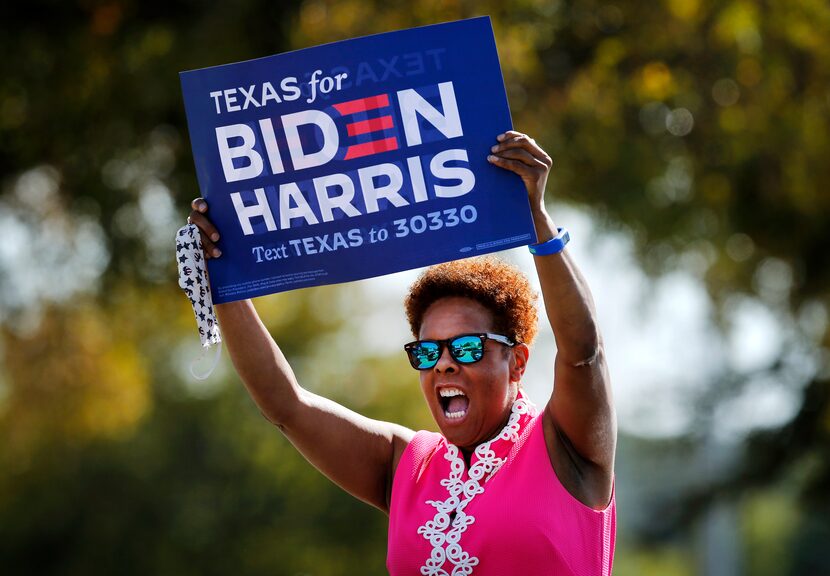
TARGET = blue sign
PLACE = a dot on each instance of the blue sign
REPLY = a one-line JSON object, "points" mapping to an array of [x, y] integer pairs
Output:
{"points": [[354, 159]]}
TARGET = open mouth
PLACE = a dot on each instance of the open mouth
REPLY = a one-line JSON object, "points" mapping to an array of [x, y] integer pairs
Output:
{"points": [[454, 403]]}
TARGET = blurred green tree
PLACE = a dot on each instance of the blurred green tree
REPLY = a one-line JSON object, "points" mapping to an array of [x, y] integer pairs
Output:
{"points": [[699, 127]]}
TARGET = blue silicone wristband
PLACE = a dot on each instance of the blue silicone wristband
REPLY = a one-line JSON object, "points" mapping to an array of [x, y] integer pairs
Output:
{"points": [[553, 246]]}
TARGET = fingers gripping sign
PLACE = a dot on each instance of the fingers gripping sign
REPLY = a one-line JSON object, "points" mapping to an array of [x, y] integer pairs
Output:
{"points": [[521, 154], [209, 233]]}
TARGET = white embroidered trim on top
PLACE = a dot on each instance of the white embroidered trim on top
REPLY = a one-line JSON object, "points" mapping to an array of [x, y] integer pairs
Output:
{"points": [[461, 494]]}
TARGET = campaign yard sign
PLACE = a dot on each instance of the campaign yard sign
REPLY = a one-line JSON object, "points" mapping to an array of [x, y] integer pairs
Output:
{"points": [[354, 159]]}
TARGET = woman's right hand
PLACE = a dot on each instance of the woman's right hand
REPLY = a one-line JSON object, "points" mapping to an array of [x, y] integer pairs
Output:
{"points": [[210, 235]]}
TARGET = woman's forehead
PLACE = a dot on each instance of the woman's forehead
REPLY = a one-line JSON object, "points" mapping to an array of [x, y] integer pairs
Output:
{"points": [[454, 315]]}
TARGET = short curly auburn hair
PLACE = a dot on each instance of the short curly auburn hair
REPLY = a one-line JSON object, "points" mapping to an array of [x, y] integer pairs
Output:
{"points": [[498, 286]]}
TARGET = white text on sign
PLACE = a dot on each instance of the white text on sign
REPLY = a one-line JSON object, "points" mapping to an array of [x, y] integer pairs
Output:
{"points": [[336, 195]]}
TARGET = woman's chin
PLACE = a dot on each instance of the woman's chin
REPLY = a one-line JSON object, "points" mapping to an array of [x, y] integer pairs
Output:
{"points": [[456, 429]]}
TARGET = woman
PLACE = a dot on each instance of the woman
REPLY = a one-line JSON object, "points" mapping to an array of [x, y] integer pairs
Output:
{"points": [[502, 490]]}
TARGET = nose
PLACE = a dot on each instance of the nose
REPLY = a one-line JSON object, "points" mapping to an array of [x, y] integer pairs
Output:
{"points": [[446, 363]]}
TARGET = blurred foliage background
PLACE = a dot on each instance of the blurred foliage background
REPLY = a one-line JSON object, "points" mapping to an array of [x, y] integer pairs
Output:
{"points": [[697, 128]]}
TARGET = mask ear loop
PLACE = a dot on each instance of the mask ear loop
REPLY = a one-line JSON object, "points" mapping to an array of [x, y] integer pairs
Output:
{"points": [[193, 280], [213, 363]]}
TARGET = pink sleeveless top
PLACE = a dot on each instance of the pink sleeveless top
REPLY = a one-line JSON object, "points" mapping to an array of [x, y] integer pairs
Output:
{"points": [[525, 522]]}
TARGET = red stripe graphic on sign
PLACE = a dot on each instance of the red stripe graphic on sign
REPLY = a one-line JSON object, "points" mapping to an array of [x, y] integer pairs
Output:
{"points": [[362, 104], [368, 126], [372, 125], [373, 147]]}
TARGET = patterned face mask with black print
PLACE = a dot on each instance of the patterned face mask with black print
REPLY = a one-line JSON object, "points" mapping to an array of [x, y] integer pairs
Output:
{"points": [[194, 281]]}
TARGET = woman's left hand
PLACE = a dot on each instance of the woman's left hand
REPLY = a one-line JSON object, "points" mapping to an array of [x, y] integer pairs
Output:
{"points": [[519, 153]]}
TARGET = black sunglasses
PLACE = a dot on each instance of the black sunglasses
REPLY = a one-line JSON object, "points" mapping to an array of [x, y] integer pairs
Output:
{"points": [[464, 349]]}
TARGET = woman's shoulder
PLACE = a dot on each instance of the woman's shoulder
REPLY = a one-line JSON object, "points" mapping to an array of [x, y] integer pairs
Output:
{"points": [[425, 443], [419, 452]]}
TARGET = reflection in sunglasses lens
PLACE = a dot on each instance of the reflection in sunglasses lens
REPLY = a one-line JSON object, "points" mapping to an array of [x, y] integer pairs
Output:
{"points": [[467, 349], [426, 354]]}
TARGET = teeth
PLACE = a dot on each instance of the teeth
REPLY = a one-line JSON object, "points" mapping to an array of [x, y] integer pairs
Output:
{"points": [[455, 414]]}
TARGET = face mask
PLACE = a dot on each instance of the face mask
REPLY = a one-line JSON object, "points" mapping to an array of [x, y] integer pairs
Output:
{"points": [[193, 280]]}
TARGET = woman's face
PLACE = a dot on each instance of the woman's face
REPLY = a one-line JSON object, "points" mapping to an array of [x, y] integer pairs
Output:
{"points": [[470, 402]]}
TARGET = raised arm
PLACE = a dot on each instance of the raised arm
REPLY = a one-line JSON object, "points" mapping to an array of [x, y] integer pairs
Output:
{"points": [[581, 424], [357, 453]]}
